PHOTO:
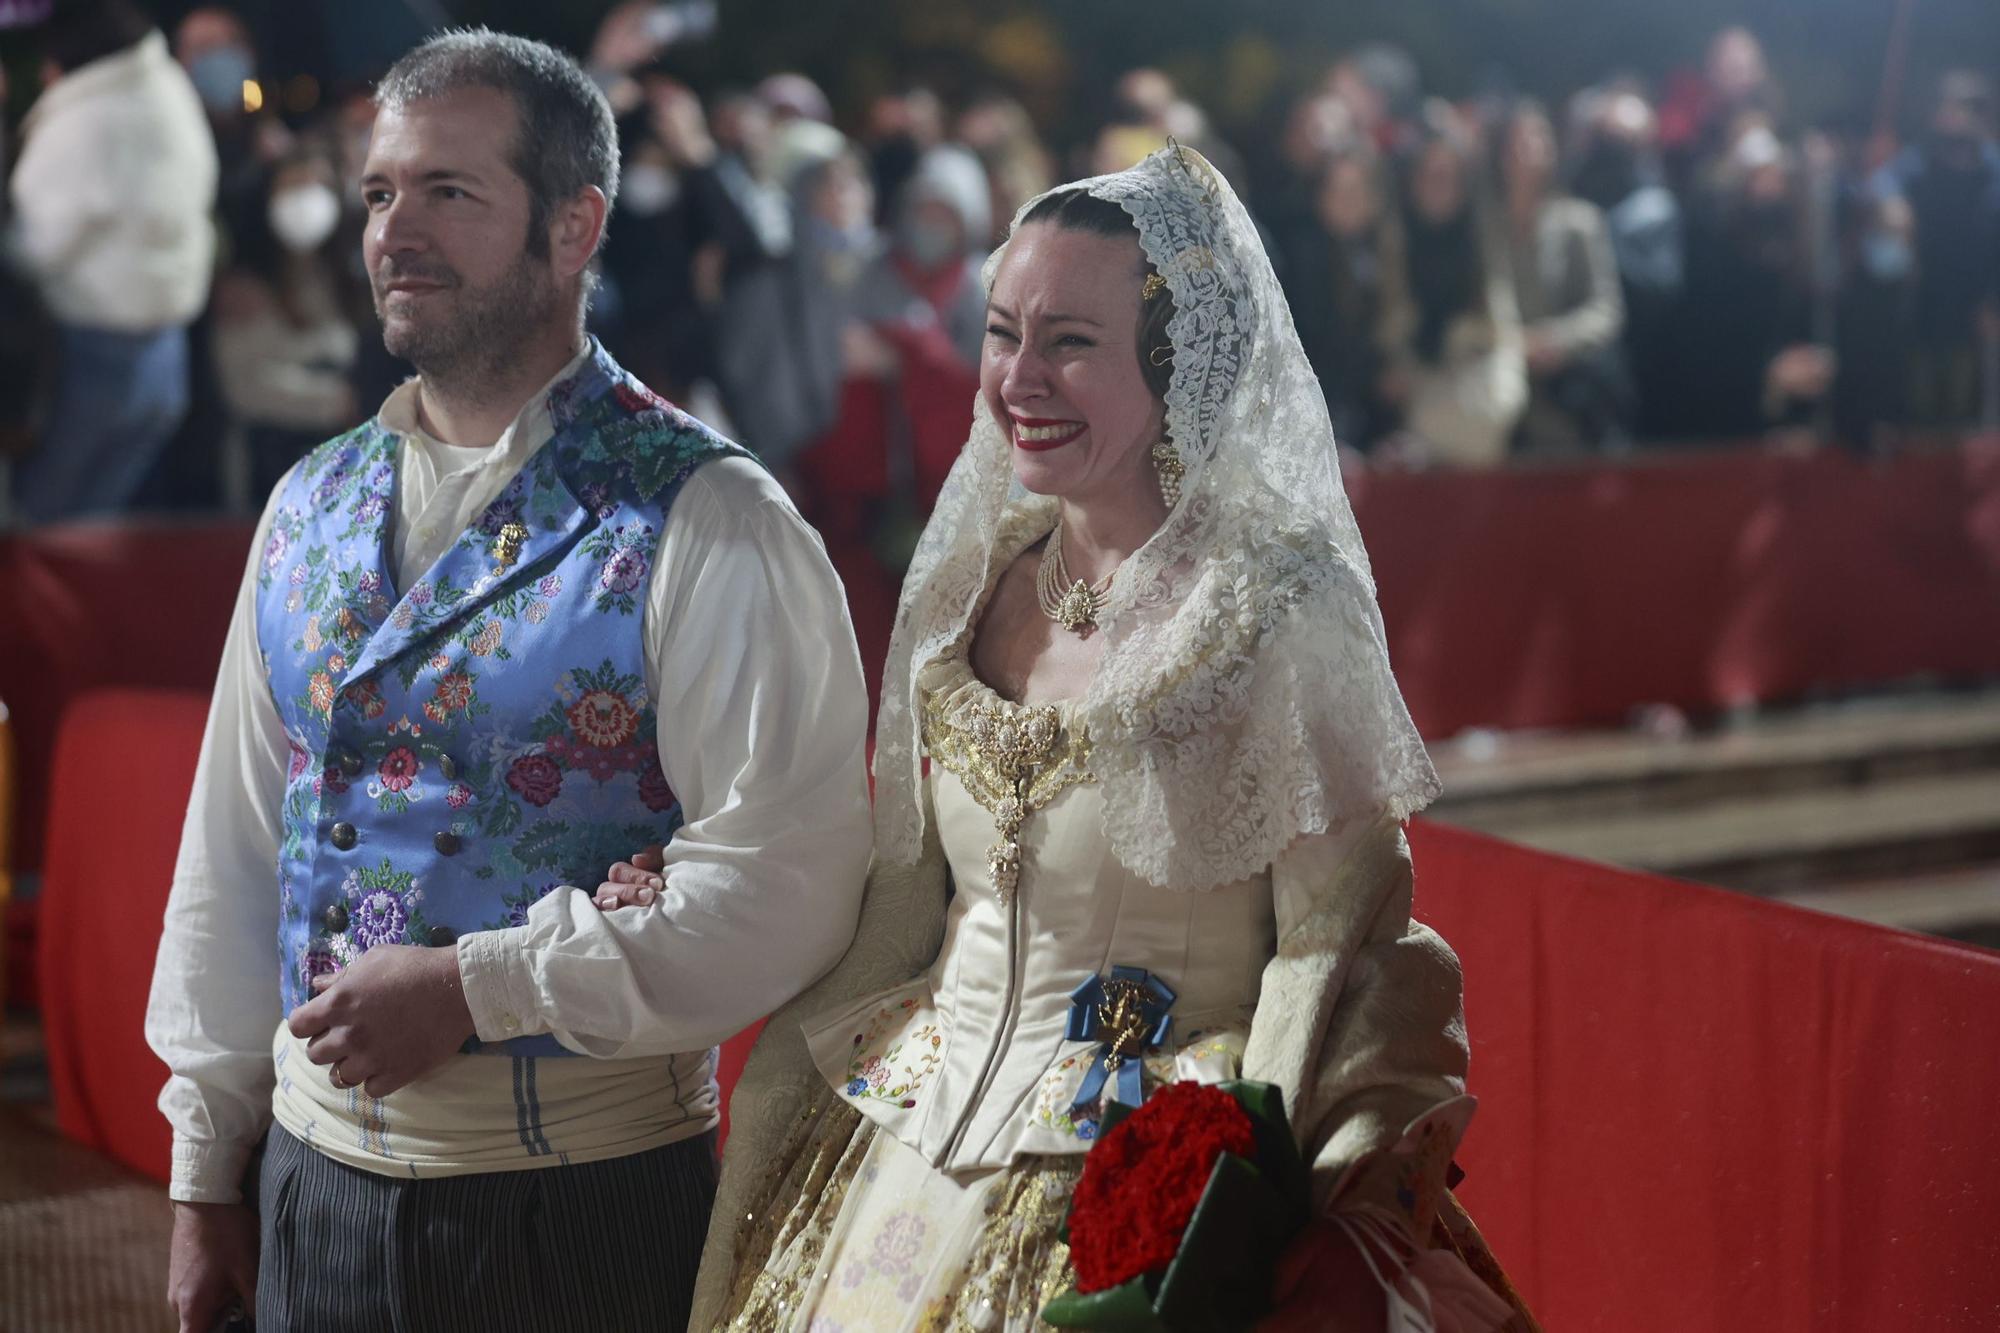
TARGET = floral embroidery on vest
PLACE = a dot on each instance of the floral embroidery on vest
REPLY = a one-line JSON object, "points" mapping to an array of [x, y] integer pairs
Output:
{"points": [[486, 732]]}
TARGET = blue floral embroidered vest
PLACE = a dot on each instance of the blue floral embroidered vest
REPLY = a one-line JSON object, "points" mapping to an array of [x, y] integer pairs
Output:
{"points": [[464, 745]]}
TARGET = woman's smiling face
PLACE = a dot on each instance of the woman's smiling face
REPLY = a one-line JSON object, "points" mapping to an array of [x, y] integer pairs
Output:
{"points": [[1060, 366]]}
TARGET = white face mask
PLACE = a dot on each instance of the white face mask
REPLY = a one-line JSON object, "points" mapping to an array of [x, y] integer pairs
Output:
{"points": [[648, 190], [303, 216]]}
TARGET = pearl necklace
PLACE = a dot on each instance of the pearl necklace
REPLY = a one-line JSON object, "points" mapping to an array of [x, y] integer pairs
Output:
{"points": [[1071, 603]]}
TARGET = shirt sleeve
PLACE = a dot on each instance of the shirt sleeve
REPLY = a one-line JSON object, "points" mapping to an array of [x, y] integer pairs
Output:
{"points": [[762, 727], [215, 1001]]}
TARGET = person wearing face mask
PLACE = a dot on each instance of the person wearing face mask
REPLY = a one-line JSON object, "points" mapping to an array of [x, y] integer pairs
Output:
{"points": [[285, 343], [215, 48], [922, 297], [112, 193], [1951, 181]]}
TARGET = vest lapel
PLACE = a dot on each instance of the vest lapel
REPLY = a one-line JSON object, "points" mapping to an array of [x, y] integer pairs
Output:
{"points": [[519, 536]]}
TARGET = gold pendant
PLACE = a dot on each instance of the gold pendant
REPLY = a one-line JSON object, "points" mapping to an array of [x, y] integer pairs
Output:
{"points": [[1078, 608], [507, 546], [1122, 1015]]}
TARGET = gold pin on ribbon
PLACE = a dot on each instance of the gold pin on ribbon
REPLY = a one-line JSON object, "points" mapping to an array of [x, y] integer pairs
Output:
{"points": [[507, 545]]}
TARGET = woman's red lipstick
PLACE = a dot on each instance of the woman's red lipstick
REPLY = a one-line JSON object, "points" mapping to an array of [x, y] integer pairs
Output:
{"points": [[1053, 441]]}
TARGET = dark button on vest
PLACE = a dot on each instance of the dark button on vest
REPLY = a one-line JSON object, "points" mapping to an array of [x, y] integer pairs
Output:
{"points": [[336, 918], [343, 835]]}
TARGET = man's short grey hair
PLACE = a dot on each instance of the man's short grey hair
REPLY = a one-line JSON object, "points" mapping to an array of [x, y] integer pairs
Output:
{"points": [[567, 138]]}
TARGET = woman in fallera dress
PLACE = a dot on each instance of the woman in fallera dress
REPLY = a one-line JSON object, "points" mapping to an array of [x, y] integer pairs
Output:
{"points": [[1137, 714]]}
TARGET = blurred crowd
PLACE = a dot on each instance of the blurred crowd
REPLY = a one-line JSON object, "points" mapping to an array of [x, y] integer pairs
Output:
{"points": [[185, 311]]}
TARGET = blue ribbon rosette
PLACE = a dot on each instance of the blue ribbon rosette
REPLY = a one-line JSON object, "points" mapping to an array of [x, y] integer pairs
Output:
{"points": [[1127, 1012]]}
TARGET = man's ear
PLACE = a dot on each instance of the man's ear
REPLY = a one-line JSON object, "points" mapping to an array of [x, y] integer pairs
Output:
{"points": [[575, 228]]}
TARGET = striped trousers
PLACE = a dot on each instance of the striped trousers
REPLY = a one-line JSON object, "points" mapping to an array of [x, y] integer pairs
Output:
{"points": [[594, 1247]]}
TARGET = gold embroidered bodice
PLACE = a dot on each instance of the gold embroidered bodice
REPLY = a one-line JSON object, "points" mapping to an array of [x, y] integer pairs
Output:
{"points": [[1012, 758]]}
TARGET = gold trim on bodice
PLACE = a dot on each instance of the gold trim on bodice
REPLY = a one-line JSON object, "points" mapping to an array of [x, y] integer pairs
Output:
{"points": [[1012, 758]]}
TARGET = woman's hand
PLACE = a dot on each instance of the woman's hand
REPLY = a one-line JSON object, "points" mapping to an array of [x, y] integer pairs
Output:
{"points": [[1324, 1283], [632, 883]]}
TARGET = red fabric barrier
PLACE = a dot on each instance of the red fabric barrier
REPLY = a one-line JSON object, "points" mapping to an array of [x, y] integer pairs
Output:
{"points": [[124, 766], [1704, 1111], [1699, 1110], [1542, 597], [96, 605], [1563, 597]]}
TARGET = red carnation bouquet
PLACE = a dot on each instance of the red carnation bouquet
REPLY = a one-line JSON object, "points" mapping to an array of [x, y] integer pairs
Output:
{"points": [[1183, 1208]]}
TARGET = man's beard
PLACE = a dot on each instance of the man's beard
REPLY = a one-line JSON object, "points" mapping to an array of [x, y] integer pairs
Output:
{"points": [[477, 339]]}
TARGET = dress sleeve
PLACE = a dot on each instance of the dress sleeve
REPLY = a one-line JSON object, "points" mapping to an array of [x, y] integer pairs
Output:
{"points": [[1361, 1021]]}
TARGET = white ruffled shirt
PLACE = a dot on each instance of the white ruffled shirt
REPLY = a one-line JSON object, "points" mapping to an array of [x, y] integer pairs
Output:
{"points": [[747, 639]]}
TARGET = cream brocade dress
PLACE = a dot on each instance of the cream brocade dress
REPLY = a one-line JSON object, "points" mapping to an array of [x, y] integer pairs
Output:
{"points": [[925, 1185], [931, 1193], [928, 1191]]}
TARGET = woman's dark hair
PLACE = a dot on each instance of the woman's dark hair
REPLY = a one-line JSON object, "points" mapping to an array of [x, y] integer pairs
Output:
{"points": [[1079, 210], [1445, 260]]}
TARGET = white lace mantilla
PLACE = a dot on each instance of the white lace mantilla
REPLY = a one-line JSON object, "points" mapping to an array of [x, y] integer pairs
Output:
{"points": [[1244, 697]]}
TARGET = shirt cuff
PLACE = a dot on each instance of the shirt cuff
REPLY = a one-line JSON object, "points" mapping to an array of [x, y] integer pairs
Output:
{"points": [[493, 971], [207, 1172]]}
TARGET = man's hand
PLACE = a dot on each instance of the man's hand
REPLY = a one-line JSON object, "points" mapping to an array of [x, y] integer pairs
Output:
{"points": [[394, 1015], [632, 883], [211, 1263]]}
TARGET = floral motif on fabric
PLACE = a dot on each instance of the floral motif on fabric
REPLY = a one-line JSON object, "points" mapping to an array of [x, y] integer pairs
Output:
{"points": [[894, 1256], [403, 713], [366, 699], [286, 526], [633, 439], [517, 905], [394, 787], [1224, 1046], [890, 1059], [382, 907], [535, 778], [600, 724], [624, 554], [1058, 1088]]}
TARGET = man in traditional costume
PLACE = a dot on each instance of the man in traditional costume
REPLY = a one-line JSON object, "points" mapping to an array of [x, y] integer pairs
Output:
{"points": [[527, 618]]}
